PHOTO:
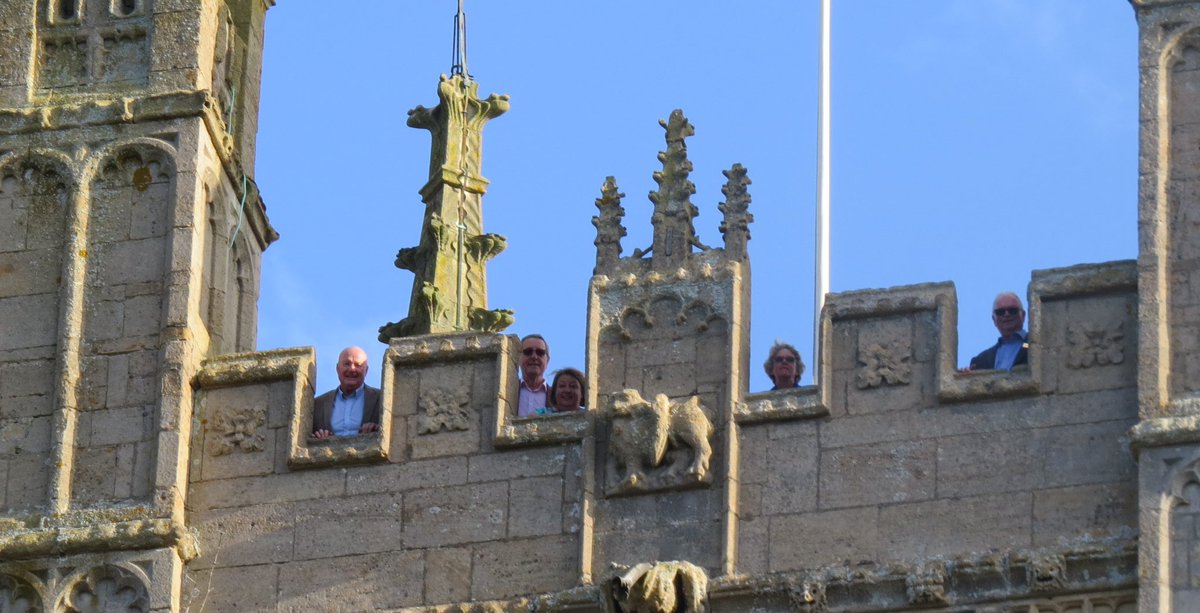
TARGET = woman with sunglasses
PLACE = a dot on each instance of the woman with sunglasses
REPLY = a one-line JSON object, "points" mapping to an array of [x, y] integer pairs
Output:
{"points": [[784, 366]]}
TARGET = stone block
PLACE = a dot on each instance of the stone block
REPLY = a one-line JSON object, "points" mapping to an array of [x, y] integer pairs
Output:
{"points": [[27, 406], [404, 396], [455, 515], [348, 526], [960, 526], [27, 378], [116, 426], [28, 481], [134, 261], [29, 272], [517, 464], [28, 321], [95, 474], [424, 474], [1003, 461], [791, 477], [249, 535], [240, 588], [240, 491], [442, 443], [143, 316], [716, 354], [877, 474], [281, 403], [354, 583], [674, 380], [812, 540], [525, 566], [752, 449], [754, 543], [25, 435], [1088, 453], [447, 575], [535, 507], [1085, 512]]}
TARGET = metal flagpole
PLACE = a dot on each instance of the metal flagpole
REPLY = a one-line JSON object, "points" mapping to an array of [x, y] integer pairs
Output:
{"points": [[821, 276]]}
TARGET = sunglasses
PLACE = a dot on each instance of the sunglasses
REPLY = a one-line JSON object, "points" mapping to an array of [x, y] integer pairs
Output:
{"points": [[541, 353], [1006, 311], [785, 359]]}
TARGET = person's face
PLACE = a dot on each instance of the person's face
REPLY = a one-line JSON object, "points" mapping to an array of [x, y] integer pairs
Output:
{"points": [[783, 368], [534, 358], [1008, 315], [568, 394], [351, 369]]}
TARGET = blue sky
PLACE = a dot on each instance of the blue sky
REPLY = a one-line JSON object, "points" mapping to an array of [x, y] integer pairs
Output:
{"points": [[973, 141]]}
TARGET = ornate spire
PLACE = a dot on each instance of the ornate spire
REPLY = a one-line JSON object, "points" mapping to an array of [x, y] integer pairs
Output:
{"points": [[674, 232], [736, 225], [450, 289], [608, 227]]}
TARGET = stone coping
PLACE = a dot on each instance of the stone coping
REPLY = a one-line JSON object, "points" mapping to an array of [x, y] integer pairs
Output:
{"points": [[92, 531], [1164, 432], [1105, 571], [779, 405]]}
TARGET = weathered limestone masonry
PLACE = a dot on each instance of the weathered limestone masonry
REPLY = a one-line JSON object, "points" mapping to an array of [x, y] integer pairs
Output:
{"points": [[130, 240], [150, 461]]}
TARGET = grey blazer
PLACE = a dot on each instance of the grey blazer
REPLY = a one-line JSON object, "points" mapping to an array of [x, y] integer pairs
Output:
{"points": [[323, 408]]}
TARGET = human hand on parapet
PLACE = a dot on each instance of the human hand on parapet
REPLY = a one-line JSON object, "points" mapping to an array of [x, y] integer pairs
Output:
{"points": [[368, 427], [322, 434]]}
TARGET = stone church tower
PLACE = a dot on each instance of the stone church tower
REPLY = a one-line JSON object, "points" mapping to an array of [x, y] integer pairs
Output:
{"points": [[150, 460], [131, 231]]}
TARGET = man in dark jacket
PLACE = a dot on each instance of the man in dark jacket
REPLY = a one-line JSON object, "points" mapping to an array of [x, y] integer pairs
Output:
{"points": [[353, 406], [1012, 348]]}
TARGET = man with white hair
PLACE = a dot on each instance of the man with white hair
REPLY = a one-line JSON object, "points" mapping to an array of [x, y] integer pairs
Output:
{"points": [[1013, 346], [352, 407]]}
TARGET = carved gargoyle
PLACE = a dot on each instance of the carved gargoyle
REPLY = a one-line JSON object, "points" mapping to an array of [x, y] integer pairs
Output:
{"points": [[643, 432], [661, 587], [410, 258]]}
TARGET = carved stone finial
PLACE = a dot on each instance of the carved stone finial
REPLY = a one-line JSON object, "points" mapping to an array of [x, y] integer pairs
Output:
{"points": [[736, 225], [449, 291], [608, 227], [661, 587], [674, 231], [641, 435]]}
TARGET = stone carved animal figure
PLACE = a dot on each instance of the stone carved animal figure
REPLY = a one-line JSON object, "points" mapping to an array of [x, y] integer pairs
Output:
{"points": [[643, 432]]}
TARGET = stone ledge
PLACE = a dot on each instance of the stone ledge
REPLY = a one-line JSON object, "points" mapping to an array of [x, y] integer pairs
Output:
{"points": [[339, 450], [543, 430], [780, 405], [1099, 569], [1164, 432], [98, 531], [256, 367], [583, 598]]}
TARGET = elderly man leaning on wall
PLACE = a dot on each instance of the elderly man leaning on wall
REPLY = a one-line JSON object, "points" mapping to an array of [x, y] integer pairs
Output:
{"points": [[353, 406]]}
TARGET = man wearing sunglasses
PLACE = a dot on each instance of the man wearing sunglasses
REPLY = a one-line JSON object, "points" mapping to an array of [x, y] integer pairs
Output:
{"points": [[535, 357], [1013, 346]]}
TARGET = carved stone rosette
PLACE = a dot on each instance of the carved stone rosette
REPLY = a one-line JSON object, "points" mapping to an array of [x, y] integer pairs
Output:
{"points": [[881, 364], [1095, 344], [236, 428], [443, 409]]}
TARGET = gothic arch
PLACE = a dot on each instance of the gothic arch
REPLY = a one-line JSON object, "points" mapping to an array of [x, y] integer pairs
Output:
{"points": [[21, 591], [108, 587]]}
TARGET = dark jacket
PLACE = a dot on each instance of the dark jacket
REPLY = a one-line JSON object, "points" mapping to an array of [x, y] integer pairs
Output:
{"points": [[987, 359], [323, 408]]}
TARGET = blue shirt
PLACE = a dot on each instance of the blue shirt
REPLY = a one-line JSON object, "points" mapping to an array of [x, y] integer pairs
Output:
{"points": [[347, 412], [1009, 347]]}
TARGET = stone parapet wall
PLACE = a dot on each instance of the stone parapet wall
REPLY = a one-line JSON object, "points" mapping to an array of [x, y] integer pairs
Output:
{"points": [[877, 472]]}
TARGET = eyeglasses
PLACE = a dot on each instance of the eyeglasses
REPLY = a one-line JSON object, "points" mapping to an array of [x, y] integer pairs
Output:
{"points": [[1001, 312], [785, 359], [541, 353]]}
